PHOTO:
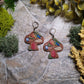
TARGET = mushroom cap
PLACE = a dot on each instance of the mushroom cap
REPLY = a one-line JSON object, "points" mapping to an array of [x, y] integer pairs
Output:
{"points": [[34, 37], [53, 44]]}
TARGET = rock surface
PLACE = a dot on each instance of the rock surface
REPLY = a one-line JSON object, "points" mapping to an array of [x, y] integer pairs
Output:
{"points": [[34, 67]]}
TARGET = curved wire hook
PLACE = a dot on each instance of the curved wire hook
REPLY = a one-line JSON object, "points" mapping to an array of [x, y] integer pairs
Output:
{"points": [[35, 25], [50, 32]]}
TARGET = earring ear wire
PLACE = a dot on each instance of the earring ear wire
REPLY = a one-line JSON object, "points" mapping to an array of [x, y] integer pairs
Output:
{"points": [[50, 32], [35, 25]]}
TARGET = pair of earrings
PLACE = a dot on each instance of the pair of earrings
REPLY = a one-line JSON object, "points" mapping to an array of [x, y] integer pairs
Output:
{"points": [[34, 39]]}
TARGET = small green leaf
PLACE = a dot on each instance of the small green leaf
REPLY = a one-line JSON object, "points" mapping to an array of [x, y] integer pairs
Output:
{"points": [[49, 57]]}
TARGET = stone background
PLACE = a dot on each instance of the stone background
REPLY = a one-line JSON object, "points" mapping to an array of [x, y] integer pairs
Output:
{"points": [[34, 67]]}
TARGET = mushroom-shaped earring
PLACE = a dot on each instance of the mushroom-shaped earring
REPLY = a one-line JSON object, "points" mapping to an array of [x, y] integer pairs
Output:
{"points": [[53, 46], [34, 38], [1, 2]]}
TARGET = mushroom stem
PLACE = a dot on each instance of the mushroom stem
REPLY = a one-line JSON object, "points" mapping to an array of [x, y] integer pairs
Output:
{"points": [[53, 54], [34, 46]]}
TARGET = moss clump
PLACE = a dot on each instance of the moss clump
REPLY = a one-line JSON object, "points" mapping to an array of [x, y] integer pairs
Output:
{"points": [[72, 10], [10, 4], [9, 45], [6, 22], [74, 37], [1, 44]]}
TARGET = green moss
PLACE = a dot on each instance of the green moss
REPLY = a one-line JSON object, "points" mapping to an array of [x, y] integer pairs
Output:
{"points": [[10, 4], [74, 37], [49, 57], [9, 45], [6, 22], [73, 10], [1, 44]]}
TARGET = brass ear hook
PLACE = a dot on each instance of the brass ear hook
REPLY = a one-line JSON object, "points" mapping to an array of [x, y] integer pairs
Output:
{"points": [[35, 25], [50, 32]]}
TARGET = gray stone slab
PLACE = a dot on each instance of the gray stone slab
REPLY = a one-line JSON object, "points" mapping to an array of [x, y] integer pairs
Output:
{"points": [[60, 82], [34, 67], [27, 66], [2, 70]]}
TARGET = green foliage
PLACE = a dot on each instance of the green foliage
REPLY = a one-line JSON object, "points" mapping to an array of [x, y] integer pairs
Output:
{"points": [[9, 45], [72, 10], [10, 4], [50, 57], [74, 37], [1, 43], [6, 22], [52, 6]]}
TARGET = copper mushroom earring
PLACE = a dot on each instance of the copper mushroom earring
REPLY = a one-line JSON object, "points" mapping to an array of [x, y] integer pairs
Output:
{"points": [[34, 38], [53, 46]]}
